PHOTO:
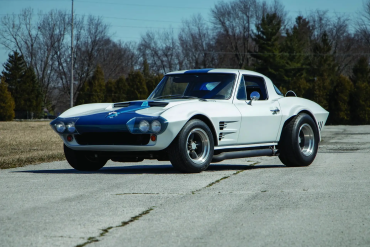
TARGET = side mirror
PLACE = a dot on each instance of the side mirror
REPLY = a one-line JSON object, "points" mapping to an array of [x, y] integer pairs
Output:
{"points": [[254, 96]]}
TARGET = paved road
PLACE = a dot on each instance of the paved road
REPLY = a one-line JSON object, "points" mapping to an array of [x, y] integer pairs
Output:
{"points": [[254, 202]]}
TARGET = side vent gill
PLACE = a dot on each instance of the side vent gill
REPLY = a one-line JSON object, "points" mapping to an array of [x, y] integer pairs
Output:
{"points": [[320, 125], [223, 126], [221, 136]]}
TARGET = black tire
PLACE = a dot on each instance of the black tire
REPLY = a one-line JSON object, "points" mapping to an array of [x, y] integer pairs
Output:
{"points": [[192, 149], [299, 141], [83, 161]]}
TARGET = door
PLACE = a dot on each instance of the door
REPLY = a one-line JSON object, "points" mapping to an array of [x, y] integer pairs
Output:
{"points": [[260, 118]]}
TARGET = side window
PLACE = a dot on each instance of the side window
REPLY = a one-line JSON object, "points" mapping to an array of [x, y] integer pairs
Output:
{"points": [[255, 83], [277, 90], [242, 95]]}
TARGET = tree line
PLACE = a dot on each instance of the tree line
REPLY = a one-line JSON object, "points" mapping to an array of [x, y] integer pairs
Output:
{"points": [[320, 56]]}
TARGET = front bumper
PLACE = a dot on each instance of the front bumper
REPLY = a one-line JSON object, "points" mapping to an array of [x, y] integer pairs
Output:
{"points": [[163, 141]]}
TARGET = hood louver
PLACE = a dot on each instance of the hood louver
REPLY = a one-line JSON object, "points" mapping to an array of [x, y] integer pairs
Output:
{"points": [[125, 104], [158, 104], [150, 103]]}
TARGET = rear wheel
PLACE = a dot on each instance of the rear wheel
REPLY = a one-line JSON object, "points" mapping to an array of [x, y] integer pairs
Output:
{"points": [[83, 161], [192, 149], [299, 141]]}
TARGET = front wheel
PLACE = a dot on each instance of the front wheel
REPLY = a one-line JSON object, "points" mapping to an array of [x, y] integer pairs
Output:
{"points": [[192, 149], [83, 161], [299, 141]]}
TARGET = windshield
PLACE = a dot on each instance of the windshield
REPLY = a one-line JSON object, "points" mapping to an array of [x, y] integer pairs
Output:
{"points": [[204, 86]]}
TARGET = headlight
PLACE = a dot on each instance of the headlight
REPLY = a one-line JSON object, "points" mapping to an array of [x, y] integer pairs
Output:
{"points": [[156, 126], [144, 126], [71, 127], [60, 127]]}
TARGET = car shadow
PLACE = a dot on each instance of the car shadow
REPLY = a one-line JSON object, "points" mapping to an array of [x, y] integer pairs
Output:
{"points": [[150, 169]]}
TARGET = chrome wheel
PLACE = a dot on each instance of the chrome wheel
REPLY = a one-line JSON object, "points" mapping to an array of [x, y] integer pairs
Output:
{"points": [[198, 146], [306, 139]]}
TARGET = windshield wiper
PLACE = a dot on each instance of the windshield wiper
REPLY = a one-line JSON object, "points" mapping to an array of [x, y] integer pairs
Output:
{"points": [[192, 97], [168, 96]]}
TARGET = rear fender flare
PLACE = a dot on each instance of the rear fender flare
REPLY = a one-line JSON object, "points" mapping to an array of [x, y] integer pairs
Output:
{"points": [[294, 112]]}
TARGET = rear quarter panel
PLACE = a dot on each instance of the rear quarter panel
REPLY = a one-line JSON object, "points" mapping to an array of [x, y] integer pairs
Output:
{"points": [[292, 106]]}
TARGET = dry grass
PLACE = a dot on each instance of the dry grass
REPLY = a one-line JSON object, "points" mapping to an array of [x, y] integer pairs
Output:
{"points": [[25, 143]]}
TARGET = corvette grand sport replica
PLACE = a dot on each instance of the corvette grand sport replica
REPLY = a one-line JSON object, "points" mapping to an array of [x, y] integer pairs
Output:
{"points": [[194, 118]]}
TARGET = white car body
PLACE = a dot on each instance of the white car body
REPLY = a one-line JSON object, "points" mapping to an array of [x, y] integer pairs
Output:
{"points": [[234, 123]]}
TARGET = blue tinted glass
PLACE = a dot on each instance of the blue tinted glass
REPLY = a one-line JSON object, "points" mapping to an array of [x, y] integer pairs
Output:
{"points": [[278, 91]]}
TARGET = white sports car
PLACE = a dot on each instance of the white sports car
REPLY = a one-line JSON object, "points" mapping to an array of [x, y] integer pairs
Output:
{"points": [[194, 118]]}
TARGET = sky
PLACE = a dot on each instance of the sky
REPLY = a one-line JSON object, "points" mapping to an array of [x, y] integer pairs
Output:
{"points": [[129, 19]]}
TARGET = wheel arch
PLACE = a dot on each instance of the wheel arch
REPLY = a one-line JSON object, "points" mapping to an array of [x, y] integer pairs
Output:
{"points": [[207, 121], [296, 114]]}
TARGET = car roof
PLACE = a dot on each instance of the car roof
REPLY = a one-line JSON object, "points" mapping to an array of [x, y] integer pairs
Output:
{"points": [[200, 71]]}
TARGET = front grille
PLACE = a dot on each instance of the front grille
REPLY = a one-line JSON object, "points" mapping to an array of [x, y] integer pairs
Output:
{"points": [[112, 138]]}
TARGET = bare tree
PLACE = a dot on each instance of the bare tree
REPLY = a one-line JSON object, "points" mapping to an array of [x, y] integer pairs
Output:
{"points": [[117, 58], [90, 41], [234, 22], [36, 40], [345, 46], [196, 43], [161, 50], [363, 22]]}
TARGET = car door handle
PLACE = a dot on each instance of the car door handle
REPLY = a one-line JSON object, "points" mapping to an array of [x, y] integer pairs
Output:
{"points": [[275, 111]]}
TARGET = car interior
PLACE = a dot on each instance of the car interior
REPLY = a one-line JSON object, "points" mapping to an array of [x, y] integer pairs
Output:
{"points": [[255, 84]]}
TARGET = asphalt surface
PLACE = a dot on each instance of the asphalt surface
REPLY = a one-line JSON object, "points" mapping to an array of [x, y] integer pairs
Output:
{"points": [[244, 202]]}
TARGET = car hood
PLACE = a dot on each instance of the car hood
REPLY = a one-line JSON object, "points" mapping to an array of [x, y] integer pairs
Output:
{"points": [[108, 117]]}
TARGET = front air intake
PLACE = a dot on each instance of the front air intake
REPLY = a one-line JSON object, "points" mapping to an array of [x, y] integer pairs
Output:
{"points": [[112, 138]]}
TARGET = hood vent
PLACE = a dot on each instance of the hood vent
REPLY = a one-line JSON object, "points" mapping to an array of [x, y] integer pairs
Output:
{"points": [[124, 104], [150, 103], [158, 104]]}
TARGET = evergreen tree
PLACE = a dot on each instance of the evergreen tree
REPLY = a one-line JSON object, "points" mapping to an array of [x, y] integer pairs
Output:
{"points": [[33, 100], [361, 71], [269, 61], [151, 80], [300, 86], [294, 48], [121, 90], [110, 91], [14, 71], [360, 104], [6, 102], [23, 84], [93, 90], [323, 72], [136, 86], [115, 91], [339, 101]]}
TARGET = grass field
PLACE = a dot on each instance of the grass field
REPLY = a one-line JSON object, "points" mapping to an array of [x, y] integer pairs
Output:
{"points": [[25, 143]]}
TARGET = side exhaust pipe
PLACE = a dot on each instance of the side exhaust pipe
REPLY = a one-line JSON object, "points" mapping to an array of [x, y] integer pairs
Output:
{"points": [[244, 154]]}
